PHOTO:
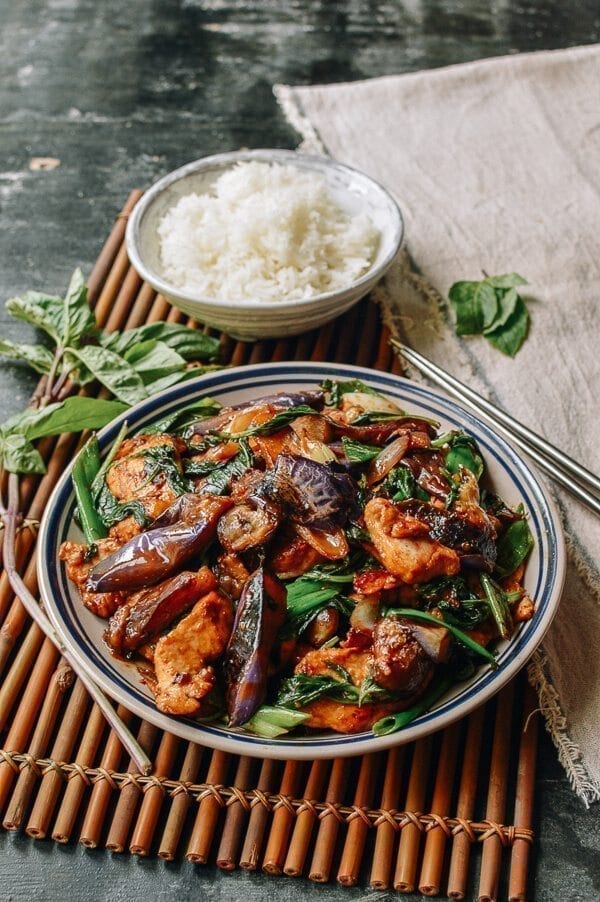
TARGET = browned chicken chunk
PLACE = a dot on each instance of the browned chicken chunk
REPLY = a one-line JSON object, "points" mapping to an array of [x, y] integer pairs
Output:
{"points": [[182, 657], [404, 551], [329, 714], [78, 565], [132, 476]]}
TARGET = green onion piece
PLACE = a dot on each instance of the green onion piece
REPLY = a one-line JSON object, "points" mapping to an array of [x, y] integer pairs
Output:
{"points": [[411, 614], [393, 722], [271, 721], [85, 469], [300, 604], [498, 606], [98, 480]]}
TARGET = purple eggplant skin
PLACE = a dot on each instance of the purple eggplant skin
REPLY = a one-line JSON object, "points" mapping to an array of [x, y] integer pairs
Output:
{"points": [[474, 544], [311, 492], [280, 401], [159, 552], [260, 615]]}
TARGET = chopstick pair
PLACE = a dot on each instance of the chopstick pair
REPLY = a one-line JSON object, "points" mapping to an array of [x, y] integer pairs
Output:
{"points": [[571, 475]]}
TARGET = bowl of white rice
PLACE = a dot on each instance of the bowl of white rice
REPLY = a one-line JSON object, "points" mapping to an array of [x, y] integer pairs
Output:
{"points": [[264, 243]]}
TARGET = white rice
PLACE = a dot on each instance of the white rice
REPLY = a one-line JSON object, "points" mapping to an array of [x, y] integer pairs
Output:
{"points": [[265, 232]]}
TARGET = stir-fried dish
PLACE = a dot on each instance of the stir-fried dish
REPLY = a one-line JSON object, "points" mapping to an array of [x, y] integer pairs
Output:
{"points": [[321, 560]]}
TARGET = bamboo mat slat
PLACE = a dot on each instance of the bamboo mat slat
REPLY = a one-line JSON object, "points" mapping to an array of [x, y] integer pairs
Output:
{"points": [[448, 815]]}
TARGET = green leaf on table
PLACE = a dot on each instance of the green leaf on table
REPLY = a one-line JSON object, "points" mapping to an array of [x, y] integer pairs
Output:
{"points": [[72, 415], [18, 455], [78, 319], [493, 308], [512, 332], [153, 359], [468, 313], [508, 280], [507, 301], [38, 357], [191, 344], [40, 310], [66, 319], [113, 371]]}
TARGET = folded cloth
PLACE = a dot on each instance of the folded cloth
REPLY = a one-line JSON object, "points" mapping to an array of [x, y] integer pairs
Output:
{"points": [[495, 165]]}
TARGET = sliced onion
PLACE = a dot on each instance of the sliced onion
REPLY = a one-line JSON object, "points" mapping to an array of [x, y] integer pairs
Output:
{"points": [[387, 459], [331, 543]]}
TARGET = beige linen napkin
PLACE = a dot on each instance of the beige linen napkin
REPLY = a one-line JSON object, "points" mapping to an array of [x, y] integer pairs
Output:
{"points": [[496, 166]]}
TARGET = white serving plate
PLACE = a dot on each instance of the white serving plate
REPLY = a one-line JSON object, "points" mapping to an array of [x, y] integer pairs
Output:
{"points": [[510, 476]]}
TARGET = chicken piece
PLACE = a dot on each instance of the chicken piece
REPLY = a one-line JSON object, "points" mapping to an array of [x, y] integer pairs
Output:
{"points": [[400, 664], [523, 609], [329, 714], [402, 550], [182, 657], [78, 564], [132, 476], [148, 612]]}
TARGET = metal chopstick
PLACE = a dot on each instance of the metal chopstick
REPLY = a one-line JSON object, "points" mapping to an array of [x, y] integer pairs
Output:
{"points": [[548, 458]]}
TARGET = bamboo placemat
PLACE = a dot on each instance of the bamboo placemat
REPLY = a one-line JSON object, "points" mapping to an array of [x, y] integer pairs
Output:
{"points": [[451, 813]]}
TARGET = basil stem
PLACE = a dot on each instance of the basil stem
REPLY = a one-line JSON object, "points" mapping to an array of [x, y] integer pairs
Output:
{"points": [[412, 614]]}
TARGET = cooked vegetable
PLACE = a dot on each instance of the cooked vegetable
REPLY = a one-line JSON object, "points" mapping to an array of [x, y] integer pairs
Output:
{"points": [[186, 527], [260, 615], [318, 560]]}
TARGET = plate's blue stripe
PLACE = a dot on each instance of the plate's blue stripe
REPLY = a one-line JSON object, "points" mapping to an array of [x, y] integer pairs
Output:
{"points": [[67, 608]]}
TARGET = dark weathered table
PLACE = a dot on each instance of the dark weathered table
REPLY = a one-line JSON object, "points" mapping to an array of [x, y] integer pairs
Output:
{"points": [[120, 93]]}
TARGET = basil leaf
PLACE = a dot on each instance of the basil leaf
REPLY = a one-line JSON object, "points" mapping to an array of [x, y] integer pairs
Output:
{"points": [[508, 280], [513, 547], [65, 320], [72, 415], [179, 420], [509, 337], [464, 453], [467, 310], [507, 301], [113, 372], [191, 344], [301, 689], [492, 308], [182, 375], [78, 319], [38, 357], [337, 389], [277, 422], [153, 360], [40, 310], [357, 452], [112, 511], [19, 455], [487, 299]]}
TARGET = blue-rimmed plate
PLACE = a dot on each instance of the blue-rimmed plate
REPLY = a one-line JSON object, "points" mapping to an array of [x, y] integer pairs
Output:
{"points": [[509, 475]]}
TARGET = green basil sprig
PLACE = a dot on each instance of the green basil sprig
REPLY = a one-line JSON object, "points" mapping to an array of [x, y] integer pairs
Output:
{"points": [[492, 308], [132, 365]]}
